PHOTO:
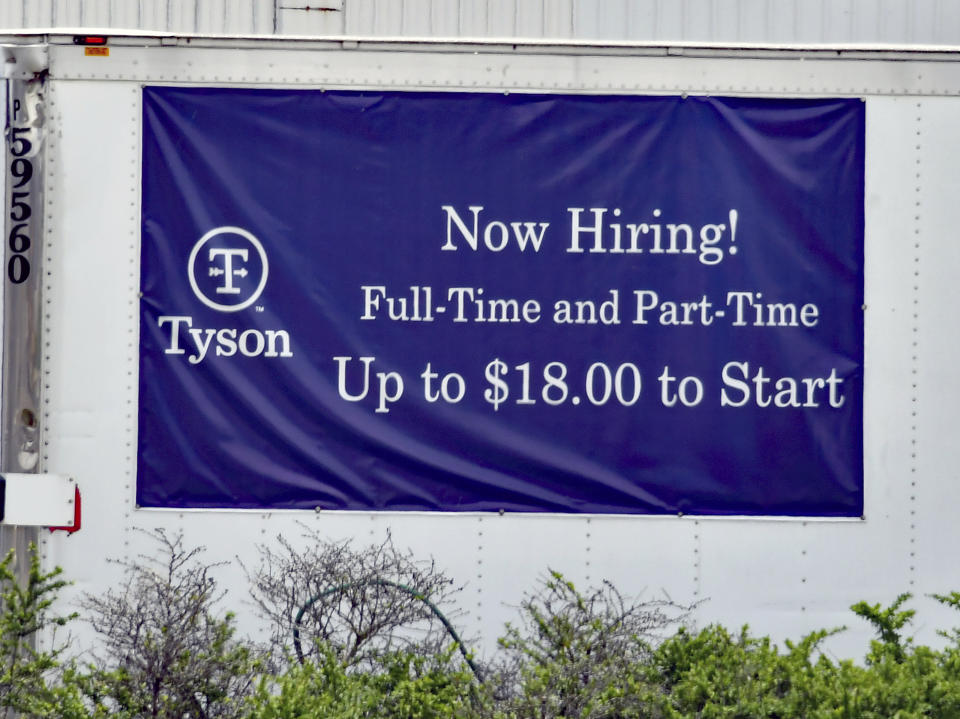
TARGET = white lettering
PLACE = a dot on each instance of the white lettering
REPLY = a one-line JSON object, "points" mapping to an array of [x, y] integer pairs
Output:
{"points": [[528, 236], [225, 341], [174, 348], [488, 236], [201, 339], [245, 345], [595, 229], [273, 336], [453, 217], [371, 299], [342, 378], [785, 392], [496, 234]]}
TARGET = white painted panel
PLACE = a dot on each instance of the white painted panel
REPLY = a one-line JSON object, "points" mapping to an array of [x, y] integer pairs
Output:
{"points": [[38, 14], [264, 15], [152, 14], [698, 21], [92, 232], [894, 20], [640, 19], [809, 18], [670, 18], [784, 577], [236, 17], [653, 558], [94, 13], [878, 563], [68, 13], [585, 18], [938, 78], [948, 19], [730, 21], [889, 319], [183, 16], [930, 17], [387, 16], [531, 16], [358, 18], [865, 18], [533, 72], [840, 564], [558, 18], [609, 18], [839, 21], [124, 14], [502, 18], [726, 20], [11, 15], [753, 19], [515, 551], [782, 21], [416, 18], [937, 219], [311, 22], [749, 574], [211, 16], [445, 19], [473, 18]]}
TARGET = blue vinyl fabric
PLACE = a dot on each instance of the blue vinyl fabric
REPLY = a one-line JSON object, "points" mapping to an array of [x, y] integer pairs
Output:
{"points": [[244, 404]]}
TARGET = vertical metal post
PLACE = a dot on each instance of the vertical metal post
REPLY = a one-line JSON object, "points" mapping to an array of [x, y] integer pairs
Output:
{"points": [[20, 408]]}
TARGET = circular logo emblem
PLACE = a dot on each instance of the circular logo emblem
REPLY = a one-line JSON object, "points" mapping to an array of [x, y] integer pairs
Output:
{"points": [[227, 269]]}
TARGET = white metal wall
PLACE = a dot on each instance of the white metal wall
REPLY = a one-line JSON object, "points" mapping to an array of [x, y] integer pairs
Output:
{"points": [[934, 22], [783, 577]]}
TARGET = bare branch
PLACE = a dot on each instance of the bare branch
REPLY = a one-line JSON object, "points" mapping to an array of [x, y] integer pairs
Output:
{"points": [[164, 650], [349, 598]]}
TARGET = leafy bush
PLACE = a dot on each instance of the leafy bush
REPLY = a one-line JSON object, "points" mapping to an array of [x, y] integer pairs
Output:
{"points": [[167, 652], [28, 677], [404, 687], [715, 674]]}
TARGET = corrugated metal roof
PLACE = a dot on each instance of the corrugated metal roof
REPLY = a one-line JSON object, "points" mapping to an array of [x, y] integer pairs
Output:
{"points": [[922, 22]]}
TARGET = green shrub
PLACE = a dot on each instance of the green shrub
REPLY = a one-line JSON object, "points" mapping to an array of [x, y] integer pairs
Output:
{"points": [[28, 675], [573, 655], [712, 673], [404, 686]]}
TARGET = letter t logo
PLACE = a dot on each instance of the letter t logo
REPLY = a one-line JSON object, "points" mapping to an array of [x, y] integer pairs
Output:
{"points": [[228, 272]]}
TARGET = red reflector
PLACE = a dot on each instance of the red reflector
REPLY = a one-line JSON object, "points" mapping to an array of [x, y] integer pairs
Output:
{"points": [[89, 40], [75, 527]]}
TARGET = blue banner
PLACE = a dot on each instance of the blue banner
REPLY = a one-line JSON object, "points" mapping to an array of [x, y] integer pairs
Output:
{"points": [[481, 302]]}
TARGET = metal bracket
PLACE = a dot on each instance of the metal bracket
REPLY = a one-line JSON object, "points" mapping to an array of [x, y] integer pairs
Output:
{"points": [[37, 500]]}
